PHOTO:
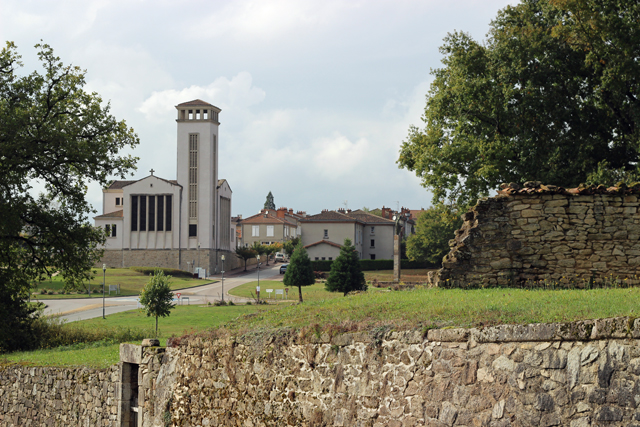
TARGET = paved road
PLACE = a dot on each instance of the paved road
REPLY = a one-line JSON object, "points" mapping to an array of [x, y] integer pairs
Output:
{"points": [[88, 308]]}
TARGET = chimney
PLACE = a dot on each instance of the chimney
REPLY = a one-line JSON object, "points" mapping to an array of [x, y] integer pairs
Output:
{"points": [[281, 212]]}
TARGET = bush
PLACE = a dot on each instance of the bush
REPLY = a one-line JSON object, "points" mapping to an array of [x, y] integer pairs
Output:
{"points": [[173, 272], [377, 264]]}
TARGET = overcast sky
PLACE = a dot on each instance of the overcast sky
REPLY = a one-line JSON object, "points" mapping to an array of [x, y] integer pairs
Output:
{"points": [[316, 96]]}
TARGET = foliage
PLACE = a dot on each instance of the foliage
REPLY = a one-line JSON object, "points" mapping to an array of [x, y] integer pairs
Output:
{"points": [[272, 249], [269, 203], [375, 264], [434, 228], [549, 96], [55, 133], [156, 296], [345, 275], [290, 245], [173, 272], [299, 272], [245, 254]]}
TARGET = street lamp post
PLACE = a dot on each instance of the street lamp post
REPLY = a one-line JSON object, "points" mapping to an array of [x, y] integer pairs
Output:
{"points": [[258, 258], [198, 260], [104, 285], [222, 258]]}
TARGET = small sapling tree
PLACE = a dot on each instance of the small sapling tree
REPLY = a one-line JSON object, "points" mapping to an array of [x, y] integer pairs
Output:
{"points": [[299, 272], [345, 275], [156, 296]]}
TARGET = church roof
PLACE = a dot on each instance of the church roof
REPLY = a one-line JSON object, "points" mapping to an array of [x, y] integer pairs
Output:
{"points": [[115, 214], [196, 103], [119, 185]]}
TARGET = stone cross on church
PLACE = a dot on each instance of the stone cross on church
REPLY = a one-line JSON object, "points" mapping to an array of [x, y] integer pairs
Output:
{"points": [[161, 222]]}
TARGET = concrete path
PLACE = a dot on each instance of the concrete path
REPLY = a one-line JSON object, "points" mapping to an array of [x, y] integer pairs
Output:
{"points": [[70, 310]]}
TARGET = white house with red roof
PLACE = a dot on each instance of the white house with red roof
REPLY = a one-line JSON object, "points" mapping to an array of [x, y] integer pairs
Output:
{"points": [[182, 223]]}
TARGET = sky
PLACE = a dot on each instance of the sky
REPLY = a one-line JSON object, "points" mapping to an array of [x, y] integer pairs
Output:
{"points": [[316, 96]]}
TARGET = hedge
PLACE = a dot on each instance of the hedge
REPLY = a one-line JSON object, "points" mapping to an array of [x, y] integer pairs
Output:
{"points": [[376, 264], [173, 272]]}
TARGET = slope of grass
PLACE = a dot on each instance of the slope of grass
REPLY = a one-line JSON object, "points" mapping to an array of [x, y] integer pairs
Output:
{"points": [[131, 282], [314, 292], [183, 320]]}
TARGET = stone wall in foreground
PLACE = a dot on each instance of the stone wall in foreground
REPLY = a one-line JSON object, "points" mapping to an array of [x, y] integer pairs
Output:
{"points": [[539, 233], [583, 374], [31, 396], [577, 375]]}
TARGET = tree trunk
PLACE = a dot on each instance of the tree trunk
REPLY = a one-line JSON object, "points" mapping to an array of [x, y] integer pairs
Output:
{"points": [[300, 292]]}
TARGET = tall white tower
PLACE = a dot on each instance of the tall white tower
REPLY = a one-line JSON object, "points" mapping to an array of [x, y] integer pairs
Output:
{"points": [[198, 173]]}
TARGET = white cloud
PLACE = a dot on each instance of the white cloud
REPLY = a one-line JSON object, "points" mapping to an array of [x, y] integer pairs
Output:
{"points": [[237, 93]]}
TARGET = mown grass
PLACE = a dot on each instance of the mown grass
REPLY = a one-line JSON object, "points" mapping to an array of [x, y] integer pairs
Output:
{"points": [[130, 281], [100, 354], [450, 308], [314, 292], [416, 308]]}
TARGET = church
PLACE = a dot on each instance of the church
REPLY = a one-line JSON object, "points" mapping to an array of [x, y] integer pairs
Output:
{"points": [[183, 223]]}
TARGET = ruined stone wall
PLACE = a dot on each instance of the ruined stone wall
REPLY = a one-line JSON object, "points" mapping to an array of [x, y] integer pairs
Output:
{"points": [[582, 374], [539, 233], [51, 397]]}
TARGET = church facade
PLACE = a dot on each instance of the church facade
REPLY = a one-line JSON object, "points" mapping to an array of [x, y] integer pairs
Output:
{"points": [[183, 223]]}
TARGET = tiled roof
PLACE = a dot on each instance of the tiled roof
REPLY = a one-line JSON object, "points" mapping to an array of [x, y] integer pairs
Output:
{"points": [[196, 103], [328, 242], [115, 214], [368, 218], [270, 219], [328, 216]]}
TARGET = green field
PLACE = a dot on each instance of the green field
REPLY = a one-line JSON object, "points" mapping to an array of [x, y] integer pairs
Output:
{"points": [[183, 320], [131, 283], [377, 308], [314, 292]]}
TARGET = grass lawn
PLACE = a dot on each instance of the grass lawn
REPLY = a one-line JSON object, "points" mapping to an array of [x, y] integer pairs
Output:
{"points": [[131, 283], [315, 292], [450, 308], [183, 319]]}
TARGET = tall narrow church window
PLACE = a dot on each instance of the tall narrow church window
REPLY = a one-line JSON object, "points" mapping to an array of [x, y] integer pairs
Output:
{"points": [[152, 213], [143, 213], [205, 114], [168, 213], [134, 213], [193, 176], [160, 213]]}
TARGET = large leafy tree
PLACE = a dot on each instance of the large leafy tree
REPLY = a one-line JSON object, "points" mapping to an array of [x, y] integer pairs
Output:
{"points": [[245, 254], [299, 271], [345, 275], [156, 296], [435, 227], [550, 96], [55, 134]]}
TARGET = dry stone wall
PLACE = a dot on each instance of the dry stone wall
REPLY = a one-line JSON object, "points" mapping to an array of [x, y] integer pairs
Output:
{"points": [[577, 374], [582, 374], [55, 397], [546, 233]]}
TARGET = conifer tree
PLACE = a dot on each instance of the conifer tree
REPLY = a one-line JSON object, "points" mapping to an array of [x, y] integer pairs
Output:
{"points": [[345, 275], [269, 203], [299, 272]]}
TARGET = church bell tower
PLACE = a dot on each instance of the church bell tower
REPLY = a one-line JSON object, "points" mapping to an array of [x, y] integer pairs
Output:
{"points": [[197, 172]]}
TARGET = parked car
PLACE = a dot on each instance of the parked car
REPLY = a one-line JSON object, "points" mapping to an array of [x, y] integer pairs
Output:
{"points": [[283, 268], [280, 257]]}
